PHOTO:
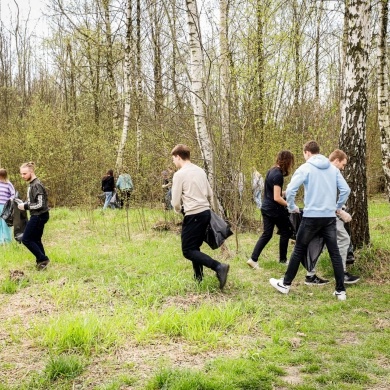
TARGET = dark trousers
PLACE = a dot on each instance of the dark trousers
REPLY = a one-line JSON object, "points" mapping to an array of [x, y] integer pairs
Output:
{"points": [[32, 236], [269, 223], [124, 198], [192, 236], [310, 227]]}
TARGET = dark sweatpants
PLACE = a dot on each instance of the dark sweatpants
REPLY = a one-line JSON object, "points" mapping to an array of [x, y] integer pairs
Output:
{"points": [[192, 236]]}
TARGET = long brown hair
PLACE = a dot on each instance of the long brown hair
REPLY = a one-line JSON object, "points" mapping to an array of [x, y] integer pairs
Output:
{"points": [[285, 161]]}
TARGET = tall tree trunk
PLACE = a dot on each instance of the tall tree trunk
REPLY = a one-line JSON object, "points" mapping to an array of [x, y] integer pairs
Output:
{"points": [[198, 90], [317, 51], [297, 42], [154, 14], [260, 64], [112, 90], [138, 86], [383, 91], [354, 116], [127, 89], [225, 77]]}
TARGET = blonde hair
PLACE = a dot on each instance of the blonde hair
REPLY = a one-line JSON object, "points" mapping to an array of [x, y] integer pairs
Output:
{"points": [[3, 174], [30, 165], [338, 155]]}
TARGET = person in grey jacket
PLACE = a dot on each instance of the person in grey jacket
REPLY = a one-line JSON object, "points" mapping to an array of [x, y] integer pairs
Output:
{"points": [[37, 204]]}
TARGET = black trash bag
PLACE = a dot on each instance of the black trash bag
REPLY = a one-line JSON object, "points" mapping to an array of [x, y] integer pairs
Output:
{"points": [[8, 212], [217, 231], [315, 247], [20, 222]]}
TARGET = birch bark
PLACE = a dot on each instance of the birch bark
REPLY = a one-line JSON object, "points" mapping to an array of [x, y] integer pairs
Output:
{"points": [[198, 94], [127, 90], [383, 92], [354, 116]]}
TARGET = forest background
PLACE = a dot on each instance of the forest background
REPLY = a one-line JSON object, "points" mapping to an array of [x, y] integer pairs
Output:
{"points": [[109, 83]]}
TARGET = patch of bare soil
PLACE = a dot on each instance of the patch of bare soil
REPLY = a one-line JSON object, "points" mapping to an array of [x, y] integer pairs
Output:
{"points": [[164, 226], [191, 300], [293, 376], [18, 355]]}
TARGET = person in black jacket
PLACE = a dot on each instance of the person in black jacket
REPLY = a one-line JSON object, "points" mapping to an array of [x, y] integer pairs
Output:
{"points": [[37, 203], [108, 187]]}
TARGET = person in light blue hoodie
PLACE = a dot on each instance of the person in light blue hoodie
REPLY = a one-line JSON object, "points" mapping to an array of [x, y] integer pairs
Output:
{"points": [[321, 181]]}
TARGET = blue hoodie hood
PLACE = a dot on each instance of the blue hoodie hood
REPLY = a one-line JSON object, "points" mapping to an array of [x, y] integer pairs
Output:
{"points": [[319, 161]]}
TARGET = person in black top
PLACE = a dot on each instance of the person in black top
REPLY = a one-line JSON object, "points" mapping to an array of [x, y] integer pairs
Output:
{"points": [[274, 209], [37, 203], [108, 187]]}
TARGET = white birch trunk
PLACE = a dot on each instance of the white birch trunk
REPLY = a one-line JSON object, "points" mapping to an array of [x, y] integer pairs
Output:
{"points": [[225, 76], [127, 92], [198, 88], [354, 116], [383, 92]]}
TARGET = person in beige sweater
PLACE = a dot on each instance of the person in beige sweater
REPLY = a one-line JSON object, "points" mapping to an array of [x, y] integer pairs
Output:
{"points": [[191, 195]]}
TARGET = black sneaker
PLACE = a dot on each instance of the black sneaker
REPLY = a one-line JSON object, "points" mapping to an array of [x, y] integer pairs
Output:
{"points": [[41, 265], [350, 259], [315, 280], [222, 273], [350, 279]]}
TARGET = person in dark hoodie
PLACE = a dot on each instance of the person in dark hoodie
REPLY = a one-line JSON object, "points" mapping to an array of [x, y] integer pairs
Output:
{"points": [[108, 187], [37, 203], [322, 181]]}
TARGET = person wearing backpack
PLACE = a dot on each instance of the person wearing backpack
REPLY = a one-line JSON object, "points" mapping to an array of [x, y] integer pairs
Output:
{"points": [[7, 192], [125, 187]]}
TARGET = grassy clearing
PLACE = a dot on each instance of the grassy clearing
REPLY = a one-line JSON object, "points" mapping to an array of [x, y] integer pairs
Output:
{"points": [[118, 309]]}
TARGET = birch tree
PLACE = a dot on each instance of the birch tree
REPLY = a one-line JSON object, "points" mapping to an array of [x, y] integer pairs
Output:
{"points": [[354, 115], [127, 89], [225, 76], [383, 91], [198, 95]]}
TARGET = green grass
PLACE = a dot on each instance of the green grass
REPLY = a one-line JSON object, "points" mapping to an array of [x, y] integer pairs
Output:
{"points": [[117, 308]]}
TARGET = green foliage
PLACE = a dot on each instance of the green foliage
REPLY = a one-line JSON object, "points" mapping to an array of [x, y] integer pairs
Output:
{"points": [[83, 333], [11, 286], [227, 374], [63, 367]]}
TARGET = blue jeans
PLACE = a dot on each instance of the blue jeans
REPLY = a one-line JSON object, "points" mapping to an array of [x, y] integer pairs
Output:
{"points": [[108, 199], [32, 236], [309, 227], [5, 230], [192, 236]]}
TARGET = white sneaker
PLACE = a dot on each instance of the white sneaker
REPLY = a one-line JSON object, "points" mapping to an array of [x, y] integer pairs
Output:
{"points": [[341, 295], [253, 264], [278, 284]]}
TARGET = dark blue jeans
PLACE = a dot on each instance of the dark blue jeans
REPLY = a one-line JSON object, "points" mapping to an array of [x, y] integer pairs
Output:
{"points": [[309, 227], [192, 236], [285, 232], [32, 236]]}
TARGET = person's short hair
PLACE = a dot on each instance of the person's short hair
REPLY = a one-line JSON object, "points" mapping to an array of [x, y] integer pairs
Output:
{"points": [[312, 147], [285, 160], [3, 174], [338, 155], [181, 150], [30, 165]]}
